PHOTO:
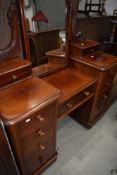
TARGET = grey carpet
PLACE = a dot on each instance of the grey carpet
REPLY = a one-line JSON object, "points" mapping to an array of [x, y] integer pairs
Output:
{"points": [[86, 152]]}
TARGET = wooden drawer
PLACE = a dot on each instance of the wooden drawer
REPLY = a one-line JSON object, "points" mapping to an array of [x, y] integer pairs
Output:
{"points": [[36, 153], [108, 78], [14, 76], [44, 118], [88, 51], [75, 101], [85, 48]]}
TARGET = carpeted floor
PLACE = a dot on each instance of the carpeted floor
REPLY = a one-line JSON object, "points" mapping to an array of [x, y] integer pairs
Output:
{"points": [[86, 152]]}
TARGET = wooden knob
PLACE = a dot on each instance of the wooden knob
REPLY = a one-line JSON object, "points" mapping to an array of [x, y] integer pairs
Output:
{"points": [[14, 77], [92, 56], [41, 133], [40, 118], [105, 97], [69, 105], [92, 50], [87, 93], [42, 147]]}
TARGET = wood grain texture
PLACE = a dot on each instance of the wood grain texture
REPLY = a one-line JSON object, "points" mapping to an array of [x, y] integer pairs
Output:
{"points": [[25, 96]]}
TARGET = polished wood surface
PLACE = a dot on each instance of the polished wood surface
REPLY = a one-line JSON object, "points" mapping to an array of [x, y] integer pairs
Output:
{"points": [[98, 60], [76, 89], [25, 96]]}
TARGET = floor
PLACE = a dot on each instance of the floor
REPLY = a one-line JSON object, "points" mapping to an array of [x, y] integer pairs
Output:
{"points": [[86, 152]]}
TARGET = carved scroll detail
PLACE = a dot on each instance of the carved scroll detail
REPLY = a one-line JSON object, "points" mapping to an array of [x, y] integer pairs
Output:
{"points": [[13, 47]]}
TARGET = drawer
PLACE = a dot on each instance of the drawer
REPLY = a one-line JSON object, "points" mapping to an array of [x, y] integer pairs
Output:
{"points": [[108, 78], [14, 76], [35, 154], [73, 102], [44, 118], [89, 51]]}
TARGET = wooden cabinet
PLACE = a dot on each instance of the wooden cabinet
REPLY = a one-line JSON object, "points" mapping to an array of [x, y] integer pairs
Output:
{"points": [[40, 43], [36, 136], [7, 161], [103, 67], [29, 111]]}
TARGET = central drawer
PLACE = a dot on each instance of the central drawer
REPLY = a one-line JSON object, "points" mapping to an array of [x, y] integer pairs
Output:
{"points": [[71, 103]]}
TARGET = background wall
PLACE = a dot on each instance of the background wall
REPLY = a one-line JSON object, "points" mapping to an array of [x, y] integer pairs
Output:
{"points": [[58, 20]]}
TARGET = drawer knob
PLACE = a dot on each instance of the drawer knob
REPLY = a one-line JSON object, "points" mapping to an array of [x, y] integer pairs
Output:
{"points": [[92, 56], [41, 133], [69, 105], [92, 50], [42, 147], [40, 118], [87, 93], [14, 77], [105, 97]]}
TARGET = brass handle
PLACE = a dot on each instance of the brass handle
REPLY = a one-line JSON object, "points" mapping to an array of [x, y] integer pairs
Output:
{"points": [[87, 93], [92, 56], [69, 105], [41, 133], [42, 147], [14, 77], [40, 118]]}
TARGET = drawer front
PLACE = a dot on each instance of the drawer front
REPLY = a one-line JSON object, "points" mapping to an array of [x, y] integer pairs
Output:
{"points": [[14, 76], [36, 153], [108, 78], [44, 118], [89, 51], [73, 102]]}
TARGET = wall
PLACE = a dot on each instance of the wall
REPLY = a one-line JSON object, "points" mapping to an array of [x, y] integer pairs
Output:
{"points": [[110, 5]]}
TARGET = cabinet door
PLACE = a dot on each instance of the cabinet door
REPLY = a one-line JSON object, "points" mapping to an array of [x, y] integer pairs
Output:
{"points": [[7, 162]]}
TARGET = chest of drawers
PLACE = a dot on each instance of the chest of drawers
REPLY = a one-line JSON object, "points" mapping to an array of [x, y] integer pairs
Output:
{"points": [[30, 122]]}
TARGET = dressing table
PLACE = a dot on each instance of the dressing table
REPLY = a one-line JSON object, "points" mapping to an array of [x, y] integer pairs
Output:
{"points": [[31, 100]]}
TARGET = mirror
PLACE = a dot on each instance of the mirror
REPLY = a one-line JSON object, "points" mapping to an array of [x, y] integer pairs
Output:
{"points": [[10, 38], [46, 32]]}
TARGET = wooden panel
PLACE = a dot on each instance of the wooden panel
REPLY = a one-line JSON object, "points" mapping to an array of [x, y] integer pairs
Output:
{"points": [[7, 162]]}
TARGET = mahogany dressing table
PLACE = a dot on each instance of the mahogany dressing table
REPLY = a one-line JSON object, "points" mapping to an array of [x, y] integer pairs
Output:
{"points": [[31, 100]]}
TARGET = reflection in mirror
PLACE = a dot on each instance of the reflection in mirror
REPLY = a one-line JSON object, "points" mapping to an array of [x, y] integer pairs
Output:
{"points": [[10, 45], [96, 8], [46, 32]]}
